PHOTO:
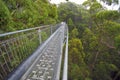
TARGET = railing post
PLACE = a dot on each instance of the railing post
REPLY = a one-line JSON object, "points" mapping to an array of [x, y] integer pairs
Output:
{"points": [[39, 34], [51, 30]]}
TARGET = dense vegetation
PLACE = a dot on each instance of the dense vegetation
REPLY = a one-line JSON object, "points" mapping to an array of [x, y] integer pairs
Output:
{"points": [[21, 14], [94, 43], [94, 33]]}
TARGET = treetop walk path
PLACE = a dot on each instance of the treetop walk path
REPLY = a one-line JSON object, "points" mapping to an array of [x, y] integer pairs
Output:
{"points": [[34, 54]]}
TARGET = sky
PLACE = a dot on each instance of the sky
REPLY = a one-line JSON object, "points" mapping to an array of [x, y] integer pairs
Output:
{"points": [[76, 1], [81, 1]]}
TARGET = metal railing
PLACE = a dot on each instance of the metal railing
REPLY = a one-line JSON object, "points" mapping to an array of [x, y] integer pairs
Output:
{"points": [[16, 46], [47, 64], [65, 68]]}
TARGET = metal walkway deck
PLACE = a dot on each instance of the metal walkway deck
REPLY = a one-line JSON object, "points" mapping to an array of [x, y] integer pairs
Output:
{"points": [[44, 63]]}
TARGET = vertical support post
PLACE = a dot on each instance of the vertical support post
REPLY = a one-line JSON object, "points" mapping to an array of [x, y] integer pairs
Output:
{"points": [[39, 34], [65, 69], [51, 30]]}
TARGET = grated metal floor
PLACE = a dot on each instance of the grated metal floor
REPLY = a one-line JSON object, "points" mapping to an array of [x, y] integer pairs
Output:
{"points": [[46, 66]]}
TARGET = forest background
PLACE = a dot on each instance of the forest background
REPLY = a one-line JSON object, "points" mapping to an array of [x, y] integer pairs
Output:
{"points": [[94, 33]]}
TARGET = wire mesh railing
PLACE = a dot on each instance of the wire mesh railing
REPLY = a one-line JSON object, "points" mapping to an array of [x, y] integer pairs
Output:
{"points": [[47, 65], [16, 46]]}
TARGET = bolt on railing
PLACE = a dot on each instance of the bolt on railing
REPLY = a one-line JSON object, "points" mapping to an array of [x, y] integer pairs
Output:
{"points": [[16, 46]]}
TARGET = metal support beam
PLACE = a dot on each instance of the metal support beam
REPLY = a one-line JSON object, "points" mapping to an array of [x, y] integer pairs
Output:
{"points": [[39, 34]]}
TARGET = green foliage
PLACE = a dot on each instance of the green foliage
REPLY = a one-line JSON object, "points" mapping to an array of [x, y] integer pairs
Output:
{"points": [[94, 44], [117, 42], [5, 18], [112, 28], [21, 14], [110, 2], [108, 15], [98, 56], [78, 73], [74, 15], [95, 7], [70, 24], [71, 11], [44, 36], [89, 40], [103, 71], [74, 33], [77, 67]]}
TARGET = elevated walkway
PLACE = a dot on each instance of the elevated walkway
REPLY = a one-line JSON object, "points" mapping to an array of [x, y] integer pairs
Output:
{"points": [[46, 45]]}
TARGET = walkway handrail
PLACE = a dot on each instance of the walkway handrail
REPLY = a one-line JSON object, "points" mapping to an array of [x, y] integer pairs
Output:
{"points": [[65, 69], [17, 46], [25, 51], [19, 31], [31, 61]]}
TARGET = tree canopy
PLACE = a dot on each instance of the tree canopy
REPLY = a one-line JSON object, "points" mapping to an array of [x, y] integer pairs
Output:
{"points": [[94, 45], [21, 14], [94, 33]]}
